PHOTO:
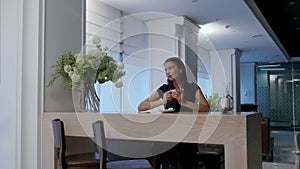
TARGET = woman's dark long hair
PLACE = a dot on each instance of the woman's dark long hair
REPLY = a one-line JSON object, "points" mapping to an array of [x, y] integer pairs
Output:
{"points": [[182, 77]]}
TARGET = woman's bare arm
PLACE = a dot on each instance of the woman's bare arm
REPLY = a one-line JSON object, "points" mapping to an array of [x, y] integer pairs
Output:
{"points": [[201, 106], [153, 101]]}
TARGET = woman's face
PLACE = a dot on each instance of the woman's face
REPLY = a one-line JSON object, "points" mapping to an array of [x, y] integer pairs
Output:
{"points": [[172, 70]]}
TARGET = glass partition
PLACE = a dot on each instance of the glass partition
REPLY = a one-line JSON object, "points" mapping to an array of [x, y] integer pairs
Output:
{"points": [[278, 98], [278, 92]]}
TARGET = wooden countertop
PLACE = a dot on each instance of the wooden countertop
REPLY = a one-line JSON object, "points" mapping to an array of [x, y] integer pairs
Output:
{"points": [[239, 132]]}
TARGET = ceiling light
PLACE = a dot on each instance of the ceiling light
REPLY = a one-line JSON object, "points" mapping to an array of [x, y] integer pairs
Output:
{"points": [[227, 26], [276, 65], [256, 36], [269, 69], [292, 3], [290, 81]]}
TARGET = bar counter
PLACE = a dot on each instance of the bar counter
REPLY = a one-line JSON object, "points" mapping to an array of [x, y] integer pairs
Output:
{"points": [[240, 133]]}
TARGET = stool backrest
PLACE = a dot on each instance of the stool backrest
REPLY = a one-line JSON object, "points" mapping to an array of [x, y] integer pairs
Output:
{"points": [[100, 140], [265, 132], [59, 143], [297, 141]]}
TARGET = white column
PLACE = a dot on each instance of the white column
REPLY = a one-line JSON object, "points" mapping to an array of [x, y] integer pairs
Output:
{"points": [[224, 74], [163, 43], [10, 82], [32, 71]]}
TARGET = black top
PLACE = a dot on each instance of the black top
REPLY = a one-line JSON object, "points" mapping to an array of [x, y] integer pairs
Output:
{"points": [[189, 95]]}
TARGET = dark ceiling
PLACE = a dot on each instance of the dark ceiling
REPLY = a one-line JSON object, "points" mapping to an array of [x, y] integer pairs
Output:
{"points": [[284, 18]]}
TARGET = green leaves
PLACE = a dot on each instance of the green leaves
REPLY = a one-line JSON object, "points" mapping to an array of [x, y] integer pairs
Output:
{"points": [[96, 65], [213, 102], [66, 58]]}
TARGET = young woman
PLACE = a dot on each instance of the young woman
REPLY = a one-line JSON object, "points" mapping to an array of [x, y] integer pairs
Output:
{"points": [[181, 96], [178, 93]]}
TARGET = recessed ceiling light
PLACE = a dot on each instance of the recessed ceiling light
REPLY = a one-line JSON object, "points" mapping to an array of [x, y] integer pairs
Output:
{"points": [[295, 17], [264, 66], [292, 3], [256, 36], [267, 69], [227, 26]]}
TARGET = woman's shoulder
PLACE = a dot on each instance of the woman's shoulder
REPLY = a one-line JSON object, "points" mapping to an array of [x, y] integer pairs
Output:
{"points": [[164, 87]]}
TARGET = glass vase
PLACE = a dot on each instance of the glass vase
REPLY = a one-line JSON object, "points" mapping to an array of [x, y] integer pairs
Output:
{"points": [[87, 99]]}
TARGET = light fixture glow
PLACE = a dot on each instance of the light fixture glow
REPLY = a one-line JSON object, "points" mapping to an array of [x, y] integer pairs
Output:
{"points": [[276, 65], [291, 81], [267, 69], [256, 36]]}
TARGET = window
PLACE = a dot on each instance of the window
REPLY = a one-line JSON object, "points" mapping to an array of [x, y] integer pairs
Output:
{"points": [[107, 23]]}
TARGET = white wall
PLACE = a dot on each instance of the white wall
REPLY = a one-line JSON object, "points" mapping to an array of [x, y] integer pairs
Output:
{"points": [[11, 28], [248, 83], [63, 31]]}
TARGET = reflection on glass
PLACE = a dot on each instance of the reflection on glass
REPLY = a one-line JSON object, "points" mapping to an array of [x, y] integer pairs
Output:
{"points": [[278, 97]]}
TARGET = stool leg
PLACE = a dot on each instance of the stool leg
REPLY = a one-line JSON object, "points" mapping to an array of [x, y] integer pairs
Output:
{"points": [[267, 157], [272, 156]]}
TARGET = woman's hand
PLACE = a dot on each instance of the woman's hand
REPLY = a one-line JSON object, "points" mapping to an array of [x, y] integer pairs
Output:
{"points": [[178, 94], [167, 96]]}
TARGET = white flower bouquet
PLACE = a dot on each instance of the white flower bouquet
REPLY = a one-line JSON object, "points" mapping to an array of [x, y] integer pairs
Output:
{"points": [[96, 65]]}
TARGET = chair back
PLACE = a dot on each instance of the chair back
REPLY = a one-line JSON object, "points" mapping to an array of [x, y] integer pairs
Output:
{"points": [[297, 141], [100, 140], [265, 131], [59, 143]]}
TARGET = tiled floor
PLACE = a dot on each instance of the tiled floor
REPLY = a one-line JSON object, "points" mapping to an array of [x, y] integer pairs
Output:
{"points": [[270, 165], [283, 147]]}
